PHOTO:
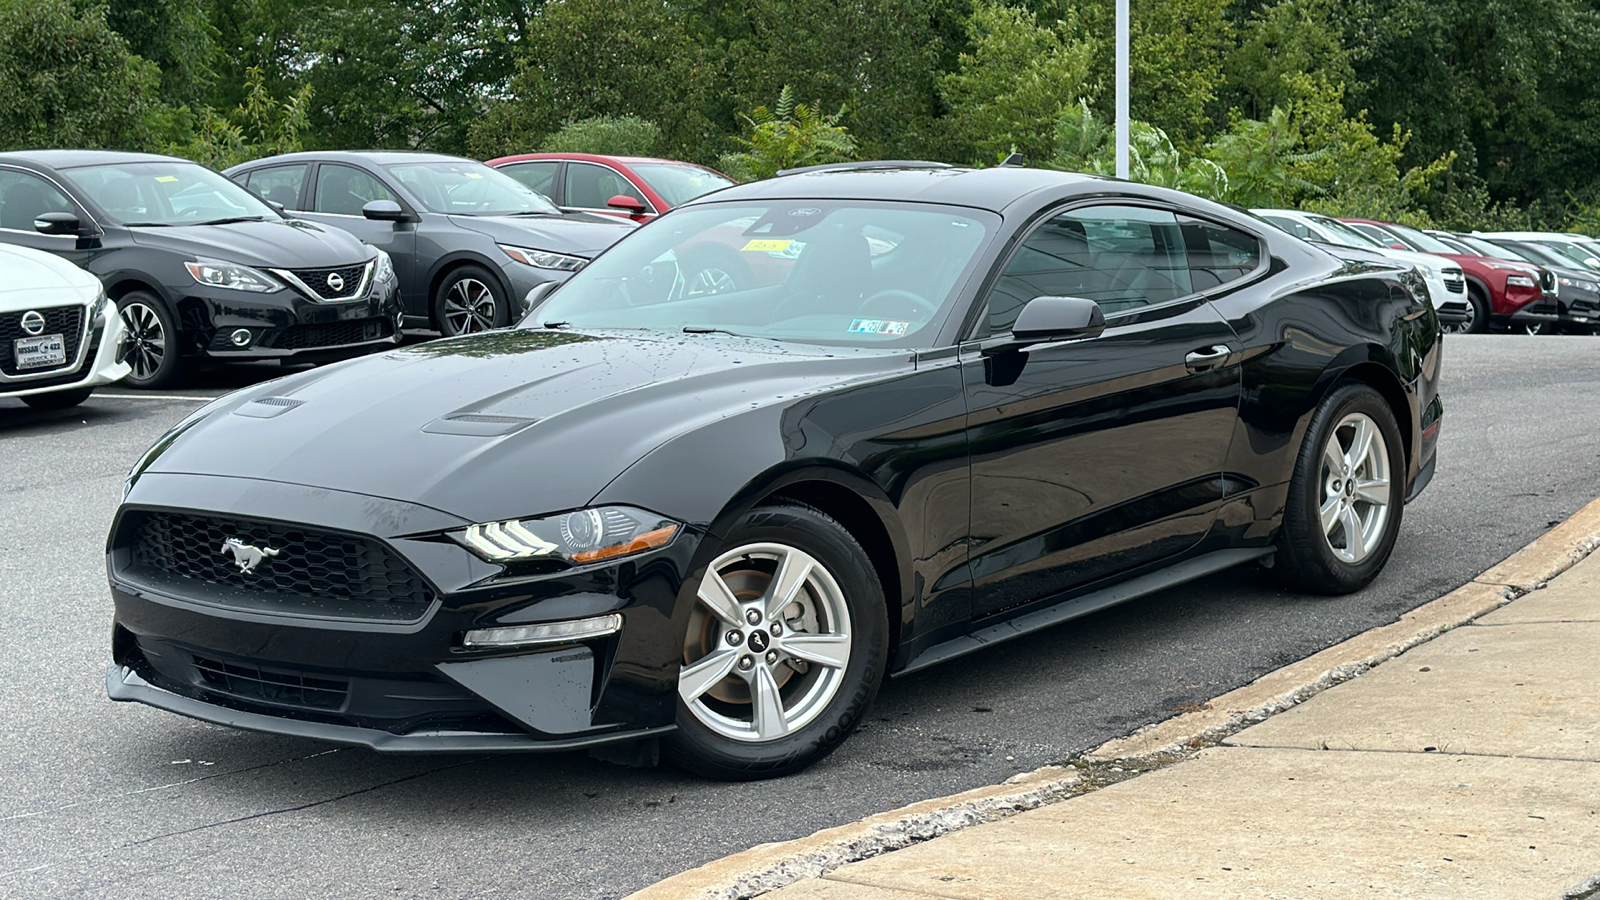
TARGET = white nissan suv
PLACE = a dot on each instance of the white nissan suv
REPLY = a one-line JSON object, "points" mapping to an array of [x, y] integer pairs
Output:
{"points": [[60, 337]]}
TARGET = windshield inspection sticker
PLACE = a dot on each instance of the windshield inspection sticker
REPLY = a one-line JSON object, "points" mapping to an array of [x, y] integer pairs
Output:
{"points": [[877, 326]]}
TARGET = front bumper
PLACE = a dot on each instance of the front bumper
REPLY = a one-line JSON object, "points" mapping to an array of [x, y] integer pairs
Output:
{"points": [[101, 364], [404, 683], [287, 325]]}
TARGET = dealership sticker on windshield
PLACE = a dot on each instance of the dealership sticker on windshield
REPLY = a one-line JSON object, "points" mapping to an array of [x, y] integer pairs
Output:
{"points": [[877, 326], [766, 245], [166, 178]]}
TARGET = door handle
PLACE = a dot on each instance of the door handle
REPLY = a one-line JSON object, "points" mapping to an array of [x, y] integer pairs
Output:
{"points": [[1207, 358]]}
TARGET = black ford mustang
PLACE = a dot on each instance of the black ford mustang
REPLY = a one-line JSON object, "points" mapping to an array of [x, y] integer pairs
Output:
{"points": [[911, 410]]}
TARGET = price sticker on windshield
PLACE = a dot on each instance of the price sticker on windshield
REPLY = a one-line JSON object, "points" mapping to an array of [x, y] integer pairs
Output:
{"points": [[877, 326], [766, 245], [166, 178]]}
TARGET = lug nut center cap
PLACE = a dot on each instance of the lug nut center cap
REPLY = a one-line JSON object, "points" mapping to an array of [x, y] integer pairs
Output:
{"points": [[759, 641]]}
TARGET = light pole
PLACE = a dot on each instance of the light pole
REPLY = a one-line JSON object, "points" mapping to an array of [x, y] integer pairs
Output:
{"points": [[1122, 88]]}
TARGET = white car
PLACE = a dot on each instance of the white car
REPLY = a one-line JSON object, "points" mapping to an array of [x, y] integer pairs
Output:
{"points": [[60, 336], [1447, 284], [1581, 249]]}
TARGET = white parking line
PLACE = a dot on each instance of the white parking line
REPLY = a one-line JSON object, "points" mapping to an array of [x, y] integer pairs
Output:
{"points": [[153, 397]]}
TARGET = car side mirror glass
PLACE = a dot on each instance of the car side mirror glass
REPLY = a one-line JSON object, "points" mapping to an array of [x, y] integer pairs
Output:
{"points": [[384, 211], [277, 207], [57, 223], [631, 205], [1056, 319]]}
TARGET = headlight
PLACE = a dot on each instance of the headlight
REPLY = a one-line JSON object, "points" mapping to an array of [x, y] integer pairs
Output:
{"points": [[100, 306], [1520, 281], [231, 276], [580, 537], [544, 259], [385, 271], [1579, 284]]}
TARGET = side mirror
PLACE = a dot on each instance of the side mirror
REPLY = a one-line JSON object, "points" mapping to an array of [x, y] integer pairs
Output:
{"points": [[384, 211], [277, 207], [536, 296], [633, 206], [1057, 319], [57, 223]]}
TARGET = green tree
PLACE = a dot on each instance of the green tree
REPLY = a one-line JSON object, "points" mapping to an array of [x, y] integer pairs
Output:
{"points": [[614, 135], [1018, 79], [69, 80], [787, 136], [176, 35], [1085, 144], [1283, 50], [260, 126]]}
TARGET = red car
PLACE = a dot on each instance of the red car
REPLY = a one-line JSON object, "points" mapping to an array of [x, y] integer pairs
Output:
{"points": [[1503, 293], [634, 187]]}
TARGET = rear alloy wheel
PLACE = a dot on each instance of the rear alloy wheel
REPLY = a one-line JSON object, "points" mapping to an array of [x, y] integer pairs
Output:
{"points": [[153, 352], [785, 647], [469, 302], [1344, 506]]}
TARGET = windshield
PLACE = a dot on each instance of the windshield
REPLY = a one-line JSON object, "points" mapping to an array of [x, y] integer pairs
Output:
{"points": [[153, 194], [1575, 252], [853, 273], [1480, 247], [1420, 240], [1544, 255], [679, 184], [1347, 234], [467, 188]]}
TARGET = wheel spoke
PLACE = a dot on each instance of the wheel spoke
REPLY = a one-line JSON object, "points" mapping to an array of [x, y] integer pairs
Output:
{"points": [[1355, 541], [831, 650], [792, 573], [699, 677], [1373, 490], [719, 598], [1330, 514], [1334, 458], [766, 705], [1360, 446]]}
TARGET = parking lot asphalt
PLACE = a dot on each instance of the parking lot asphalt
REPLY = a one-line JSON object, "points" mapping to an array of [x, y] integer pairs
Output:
{"points": [[111, 800]]}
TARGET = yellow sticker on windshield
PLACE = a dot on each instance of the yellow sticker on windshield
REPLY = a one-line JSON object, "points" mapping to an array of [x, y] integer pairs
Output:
{"points": [[767, 245], [473, 175], [166, 178]]}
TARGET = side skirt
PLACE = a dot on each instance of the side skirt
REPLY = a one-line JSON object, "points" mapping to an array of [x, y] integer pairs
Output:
{"points": [[1039, 619]]}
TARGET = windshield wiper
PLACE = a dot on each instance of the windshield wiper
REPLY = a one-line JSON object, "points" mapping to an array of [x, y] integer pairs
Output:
{"points": [[707, 329], [232, 219], [147, 224], [556, 324], [534, 212]]}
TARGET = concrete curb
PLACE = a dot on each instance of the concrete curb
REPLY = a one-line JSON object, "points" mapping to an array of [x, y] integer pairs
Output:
{"points": [[767, 867]]}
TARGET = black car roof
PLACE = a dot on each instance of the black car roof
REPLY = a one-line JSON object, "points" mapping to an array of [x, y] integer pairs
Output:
{"points": [[371, 157], [992, 189], [67, 159]]}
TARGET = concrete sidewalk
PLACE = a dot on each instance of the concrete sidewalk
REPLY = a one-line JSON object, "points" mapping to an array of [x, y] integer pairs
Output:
{"points": [[1467, 767]]}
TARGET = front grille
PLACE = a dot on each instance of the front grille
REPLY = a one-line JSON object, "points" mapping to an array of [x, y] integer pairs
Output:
{"points": [[329, 334], [249, 682], [1456, 285], [351, 280], [66, 321], [300, 570]]}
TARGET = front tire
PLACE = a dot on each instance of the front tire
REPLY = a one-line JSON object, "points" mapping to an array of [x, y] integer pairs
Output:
{"points": [[784, 650], [155, 352], [58, 399], [469, 301], [1478, 306], [1345, 497]]}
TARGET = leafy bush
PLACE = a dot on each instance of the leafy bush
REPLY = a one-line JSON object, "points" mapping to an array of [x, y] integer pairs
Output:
{"points": [[260, 126], [785, 137], [610, 135]]}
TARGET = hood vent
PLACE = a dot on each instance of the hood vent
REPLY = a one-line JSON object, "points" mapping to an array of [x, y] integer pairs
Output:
{"points": [[267, 407], [478, 425]]}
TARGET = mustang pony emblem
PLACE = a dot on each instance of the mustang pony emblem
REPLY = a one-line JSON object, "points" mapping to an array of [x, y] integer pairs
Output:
{"points": [[245, 556]]}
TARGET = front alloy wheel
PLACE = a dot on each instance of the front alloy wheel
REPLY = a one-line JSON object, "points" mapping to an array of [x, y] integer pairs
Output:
{"points": [[784, 647], [152, 350], [468, 303]]}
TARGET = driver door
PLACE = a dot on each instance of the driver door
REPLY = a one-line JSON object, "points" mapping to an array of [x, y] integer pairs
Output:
{"points": [[1094, 456]]}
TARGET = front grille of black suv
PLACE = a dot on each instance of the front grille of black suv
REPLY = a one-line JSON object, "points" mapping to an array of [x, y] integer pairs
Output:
{"points": [[296, 569], [250, 682], [351, 281], [66, 321], [329, 334]]}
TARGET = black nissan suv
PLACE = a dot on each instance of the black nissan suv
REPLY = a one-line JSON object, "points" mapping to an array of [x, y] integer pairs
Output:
{"points": [[200, 267]]}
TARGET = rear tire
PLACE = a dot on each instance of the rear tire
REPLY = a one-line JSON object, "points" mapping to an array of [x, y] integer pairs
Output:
{"points": [[1343, 513], [784, 650], [1478, 304], [155, 348], [58, 399]]}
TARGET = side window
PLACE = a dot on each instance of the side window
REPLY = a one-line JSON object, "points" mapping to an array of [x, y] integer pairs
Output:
{"points": [[1298, 229], [24, 196], [1121, 257], [343, 190], [541, 176], [590, 186], [280, 184], [1217, 254]]}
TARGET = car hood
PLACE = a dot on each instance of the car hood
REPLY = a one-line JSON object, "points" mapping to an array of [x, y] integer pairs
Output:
{"points": [[583, 237], [498, 425], [283, 244], [33, 276]]}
